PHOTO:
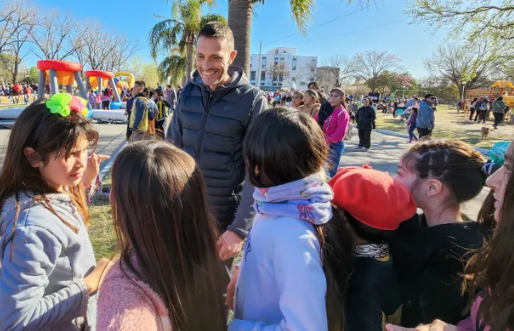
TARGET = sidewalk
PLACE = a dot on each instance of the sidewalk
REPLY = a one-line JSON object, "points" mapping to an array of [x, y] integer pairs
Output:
{"points": [[385, 154]]}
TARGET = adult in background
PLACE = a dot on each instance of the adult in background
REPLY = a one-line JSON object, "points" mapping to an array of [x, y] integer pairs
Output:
{"points": [[215, 111], [141, 114], [171, 96], [499, 108], [472, 108], [365, 119], [314, 86], [425, 121], [411, 102]]}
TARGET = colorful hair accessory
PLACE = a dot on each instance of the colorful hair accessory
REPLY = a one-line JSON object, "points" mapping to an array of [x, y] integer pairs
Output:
{"points": [[58, 104], [64, 103]]}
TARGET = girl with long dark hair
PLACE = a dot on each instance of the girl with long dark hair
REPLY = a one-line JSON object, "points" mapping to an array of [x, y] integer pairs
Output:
{"points": [[169, 275], [293, 275]]}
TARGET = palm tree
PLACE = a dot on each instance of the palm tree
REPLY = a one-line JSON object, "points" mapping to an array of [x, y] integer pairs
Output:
{"points": [[174, 66], [180, 32], [240, 21]]}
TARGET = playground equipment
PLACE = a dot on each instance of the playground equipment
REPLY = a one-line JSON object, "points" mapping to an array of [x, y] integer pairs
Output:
{"points": [[126, 74], [102, 79]]}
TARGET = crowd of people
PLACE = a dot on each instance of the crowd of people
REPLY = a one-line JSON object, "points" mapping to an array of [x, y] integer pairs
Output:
{"points": [[14, 93], [322, 248]]}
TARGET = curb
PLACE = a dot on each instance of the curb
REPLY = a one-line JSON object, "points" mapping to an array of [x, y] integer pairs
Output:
{"points": [[484, 151]]}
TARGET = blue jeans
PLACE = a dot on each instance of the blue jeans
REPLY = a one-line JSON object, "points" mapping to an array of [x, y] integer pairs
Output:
{"points": [[334, 157], [412, 135]]}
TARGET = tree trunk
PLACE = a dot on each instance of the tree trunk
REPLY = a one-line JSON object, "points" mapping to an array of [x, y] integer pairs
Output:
{"points": [[240, 22], [189, 59]]}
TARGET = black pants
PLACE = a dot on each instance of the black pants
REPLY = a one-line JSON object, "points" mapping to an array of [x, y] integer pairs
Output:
{"points": [[365, 138], [424, 132], [471, 112], [480, 115], [498, 118]]}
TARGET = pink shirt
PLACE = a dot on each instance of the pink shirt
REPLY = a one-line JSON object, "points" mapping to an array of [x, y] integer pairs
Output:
{"points": [[336, 125]]}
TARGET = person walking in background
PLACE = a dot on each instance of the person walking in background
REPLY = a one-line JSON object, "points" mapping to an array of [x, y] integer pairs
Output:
{"points": [[229, 104], [411, 124], [314, 86], [499, 110], [91, 98], [334, 120], [163, 284], [472, 108], [171, 97], [425, 119], [163, 110], [481, 110], [106, 99], [140, 114], [365, 119], [310, 103]]}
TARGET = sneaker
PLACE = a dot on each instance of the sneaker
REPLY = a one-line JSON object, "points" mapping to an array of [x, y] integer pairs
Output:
{"points": [[358, 148], [367, 149]]}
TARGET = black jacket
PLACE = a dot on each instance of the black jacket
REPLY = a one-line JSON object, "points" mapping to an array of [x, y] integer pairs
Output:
{"points": [[210, 126], [365, 118], [373, 296], [429, 262]]}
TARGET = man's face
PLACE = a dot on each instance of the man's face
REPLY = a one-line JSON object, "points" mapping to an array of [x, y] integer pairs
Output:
{"points": [[213, 57], [431, 100], [137, 89]]}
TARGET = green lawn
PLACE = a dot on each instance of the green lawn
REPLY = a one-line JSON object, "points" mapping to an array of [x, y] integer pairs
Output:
{"points": [[452, 125], [101, 231]]}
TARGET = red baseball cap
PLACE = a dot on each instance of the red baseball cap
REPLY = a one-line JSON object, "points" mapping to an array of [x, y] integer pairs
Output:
{"points": [[372, 197]]}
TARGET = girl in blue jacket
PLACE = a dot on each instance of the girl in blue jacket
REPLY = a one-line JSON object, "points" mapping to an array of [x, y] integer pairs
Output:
{"points": [[48, 276], [288, 270]]}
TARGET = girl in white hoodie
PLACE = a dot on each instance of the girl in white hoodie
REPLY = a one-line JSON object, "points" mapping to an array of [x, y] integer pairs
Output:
{"points": [[286, 278]]}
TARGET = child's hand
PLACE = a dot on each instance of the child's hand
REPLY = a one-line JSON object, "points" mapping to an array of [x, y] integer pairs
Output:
{"points": [[93, 168], [95, 278], [231, 289], [436, 325], [229, 244]]}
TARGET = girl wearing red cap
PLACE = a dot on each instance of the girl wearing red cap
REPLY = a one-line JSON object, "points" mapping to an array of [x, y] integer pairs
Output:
{"points": [[491, 268], [292, 276], [373, 295], [430, 253]]}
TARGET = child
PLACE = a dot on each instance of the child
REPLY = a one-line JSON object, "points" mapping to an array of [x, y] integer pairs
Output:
{"points": [[284, 282], [48, 276], [163, 108], [169, 274], [106, 99], [334, 120], [373, 295], [491, 269], [310, 103], [411, 124], [91, 98], [430, 253]]}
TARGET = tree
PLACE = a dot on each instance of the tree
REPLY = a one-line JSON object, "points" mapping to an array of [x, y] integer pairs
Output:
{"points": [[370, 65], [149, 74], [16, 17], [240, 14], [6, 65], [455, 63], [339, 66], [480, 19], [181, 30], [56, 36], [101, 49], [278, 71]]}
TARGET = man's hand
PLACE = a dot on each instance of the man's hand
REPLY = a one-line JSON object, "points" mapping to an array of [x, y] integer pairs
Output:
{"points": [[93, 168], [436, 325], [229, 244], [231, 289]]}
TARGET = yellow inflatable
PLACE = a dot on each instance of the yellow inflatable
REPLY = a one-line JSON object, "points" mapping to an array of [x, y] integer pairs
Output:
{"points": [[126, 74]]}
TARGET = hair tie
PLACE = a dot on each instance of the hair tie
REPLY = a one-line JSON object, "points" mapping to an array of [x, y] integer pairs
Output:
{"points": [[489, 168], [64, 103]]}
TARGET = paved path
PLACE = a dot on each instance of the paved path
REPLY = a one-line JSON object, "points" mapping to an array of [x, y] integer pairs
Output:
{"points": [[385, 153], [112, 137]]}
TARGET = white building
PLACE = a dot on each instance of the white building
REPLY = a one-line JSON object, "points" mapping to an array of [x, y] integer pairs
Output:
{"points": [[282, 68]]}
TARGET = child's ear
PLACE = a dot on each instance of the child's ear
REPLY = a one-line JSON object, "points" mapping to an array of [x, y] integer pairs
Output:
{"points": [[32, 156]]}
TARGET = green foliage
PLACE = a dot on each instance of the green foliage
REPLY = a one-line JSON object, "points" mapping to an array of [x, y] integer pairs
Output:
{"points": [[173, 66], [6, 64]]}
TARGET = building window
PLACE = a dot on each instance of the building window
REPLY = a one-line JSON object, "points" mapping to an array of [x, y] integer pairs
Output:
{"points": [[252, 75], [263, 75]]}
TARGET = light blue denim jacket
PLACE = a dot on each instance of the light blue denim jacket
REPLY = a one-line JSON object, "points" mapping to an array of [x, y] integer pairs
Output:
{"points": [[42, 285]]}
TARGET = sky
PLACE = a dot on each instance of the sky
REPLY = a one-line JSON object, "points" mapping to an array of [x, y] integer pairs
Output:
{"points": [[336, 27]]}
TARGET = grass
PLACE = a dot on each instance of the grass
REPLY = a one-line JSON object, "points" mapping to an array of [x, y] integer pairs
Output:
{"points": [[452, 125], [101, 230]]}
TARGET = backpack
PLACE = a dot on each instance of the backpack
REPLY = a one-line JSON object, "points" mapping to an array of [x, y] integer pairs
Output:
{"points": [[143, 126]]}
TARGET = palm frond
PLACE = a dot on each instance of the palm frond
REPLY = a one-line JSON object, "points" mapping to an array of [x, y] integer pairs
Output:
{"points": [[302, 10], [174, 67], [163, 34], [212, 18]]}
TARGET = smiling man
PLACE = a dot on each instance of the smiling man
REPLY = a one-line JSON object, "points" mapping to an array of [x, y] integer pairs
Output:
{"points": [[216, 108]]}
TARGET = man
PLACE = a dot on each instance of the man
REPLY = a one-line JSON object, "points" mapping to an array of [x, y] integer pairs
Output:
{"points": [[425, 120], [314, 86], [216, 108], [171, 97], [499, 110], [140, 114]]}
